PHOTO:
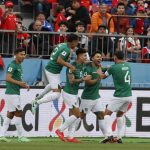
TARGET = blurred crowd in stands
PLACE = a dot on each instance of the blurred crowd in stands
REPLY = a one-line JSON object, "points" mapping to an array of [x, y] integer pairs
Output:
{"points": [[103, 25]]}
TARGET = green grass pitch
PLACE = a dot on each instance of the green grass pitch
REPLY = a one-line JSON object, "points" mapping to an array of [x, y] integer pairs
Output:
{"points": [[87, 144]]}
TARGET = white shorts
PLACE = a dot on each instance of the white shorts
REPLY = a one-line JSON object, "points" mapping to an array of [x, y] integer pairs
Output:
{"points": [[119, 104], [70, 99], [91, 105], [53, 79], [13, 102]]}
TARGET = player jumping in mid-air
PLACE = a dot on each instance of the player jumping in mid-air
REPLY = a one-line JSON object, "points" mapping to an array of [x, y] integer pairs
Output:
{"points": [[58, 59], [13, 100], [70, 96], [121, 74]]}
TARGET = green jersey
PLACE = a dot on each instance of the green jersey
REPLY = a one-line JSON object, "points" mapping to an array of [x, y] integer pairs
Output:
{"points": [[16, 71], [121, 73], [62, 50], [78, 74], [91, 91]]}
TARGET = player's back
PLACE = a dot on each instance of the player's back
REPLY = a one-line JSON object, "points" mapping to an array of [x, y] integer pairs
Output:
{"points": [[62, 50], [121, 73]]}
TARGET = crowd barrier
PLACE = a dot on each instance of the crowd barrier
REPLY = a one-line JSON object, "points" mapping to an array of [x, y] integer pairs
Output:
{"points": [[41, 44]]}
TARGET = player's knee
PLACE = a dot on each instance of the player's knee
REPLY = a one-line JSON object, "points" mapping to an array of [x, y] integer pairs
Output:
{"points": [[10, 115], [82, 115], [75, 111], [119, 114], [108, 112], [100, 115], [77, 114], [18, 113]]}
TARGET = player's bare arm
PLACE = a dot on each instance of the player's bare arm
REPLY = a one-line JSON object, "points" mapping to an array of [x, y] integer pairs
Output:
{"points": [[72, 79], [20, 83], [91, 82], [66, 64]]}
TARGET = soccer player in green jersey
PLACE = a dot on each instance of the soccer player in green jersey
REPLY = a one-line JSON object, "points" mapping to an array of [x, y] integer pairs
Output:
{"points": [[13, 84], [70, 95], [58, 59], [90, 98], [121, 74]]}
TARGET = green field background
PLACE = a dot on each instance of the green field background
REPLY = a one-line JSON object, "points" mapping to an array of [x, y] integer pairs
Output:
{"points": [[86, 144]]}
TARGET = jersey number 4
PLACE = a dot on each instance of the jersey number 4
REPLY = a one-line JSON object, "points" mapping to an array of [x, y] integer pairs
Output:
{"points": [[127, 78]]}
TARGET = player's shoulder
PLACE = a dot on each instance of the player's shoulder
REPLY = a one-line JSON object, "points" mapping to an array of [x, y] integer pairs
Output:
{"points": [[88, 67], [62, 45], [88, 64], [12, 64]]}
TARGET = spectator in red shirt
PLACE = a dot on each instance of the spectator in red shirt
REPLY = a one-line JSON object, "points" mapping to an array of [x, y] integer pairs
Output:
{"points": [[52, 1], [1, 63], [62, 37], [23, 38], [146, 53], [140, 24], [130, 45], [8, 21], [1, 12], [114, 3], [120, 22], [87, 4], [60, 11]]}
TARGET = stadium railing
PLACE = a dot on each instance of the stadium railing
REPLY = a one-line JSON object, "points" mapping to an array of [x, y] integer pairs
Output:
{"points": [[41, 44]]}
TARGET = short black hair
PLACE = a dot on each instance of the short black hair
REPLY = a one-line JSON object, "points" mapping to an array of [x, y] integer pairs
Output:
{"points": [[40, 13], [18, 50], [76, 1], [96, 52], [120, 4], [72, 37], [102, 26], [128, 27], [80, 23], [119, 55], [59, 8], [80, 51], [63, 23], [19, 16]]}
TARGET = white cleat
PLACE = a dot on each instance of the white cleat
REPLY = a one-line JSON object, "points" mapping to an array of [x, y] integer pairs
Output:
{"points": [[35, 105], [23, 139]]}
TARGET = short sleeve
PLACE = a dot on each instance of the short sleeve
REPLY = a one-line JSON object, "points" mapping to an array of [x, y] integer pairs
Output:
{"points": [[65, 54], [11, 69], [109, 71]]}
